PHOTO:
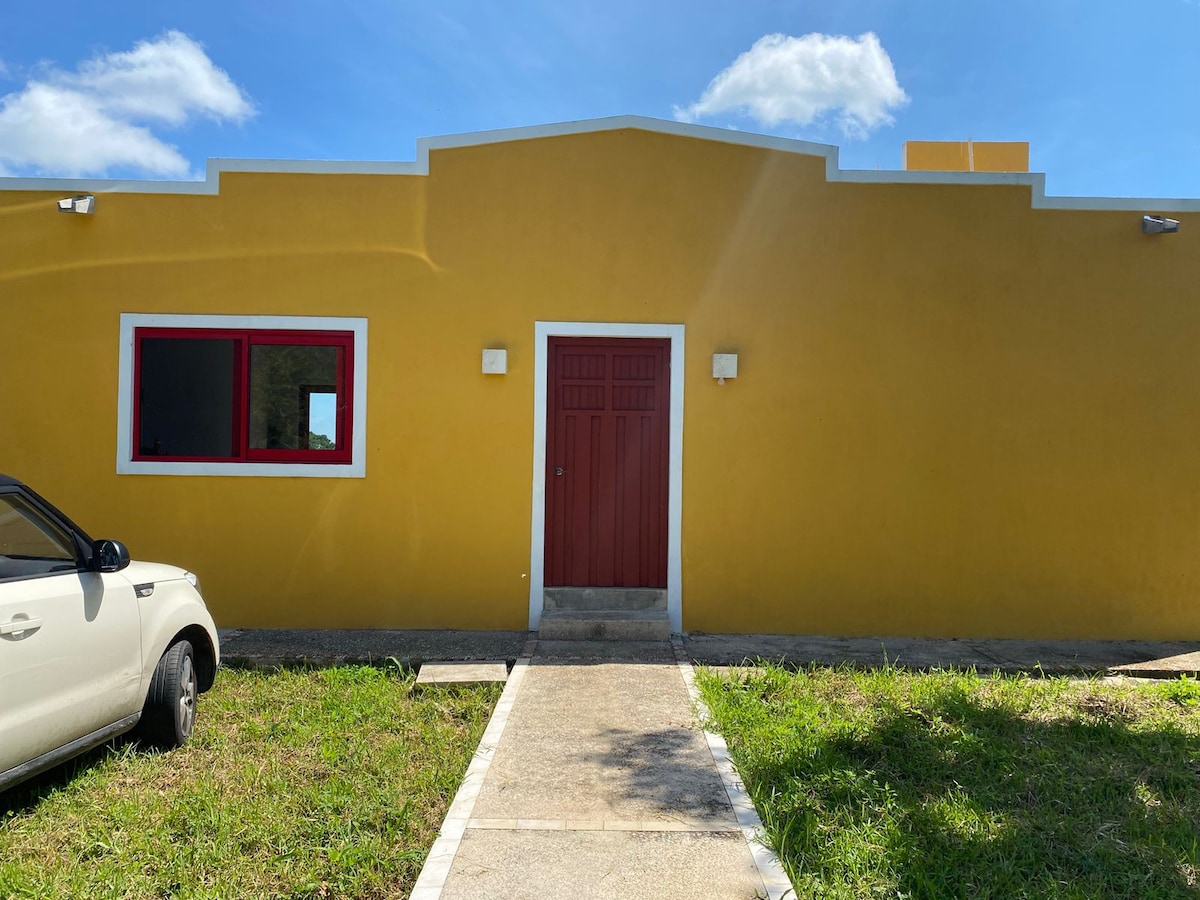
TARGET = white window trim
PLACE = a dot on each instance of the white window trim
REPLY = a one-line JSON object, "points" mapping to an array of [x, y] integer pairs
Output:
{"points": [[537, 541], [356, 468]]}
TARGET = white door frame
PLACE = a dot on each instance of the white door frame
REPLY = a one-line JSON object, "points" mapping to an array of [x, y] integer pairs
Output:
{"points": [[543, 331]]}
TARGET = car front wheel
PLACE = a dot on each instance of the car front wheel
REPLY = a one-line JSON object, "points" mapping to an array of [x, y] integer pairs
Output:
{"points": [[170, 711]]}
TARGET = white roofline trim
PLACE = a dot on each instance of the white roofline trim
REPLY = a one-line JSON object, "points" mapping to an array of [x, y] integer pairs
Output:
{"points": [[1036, 181]]}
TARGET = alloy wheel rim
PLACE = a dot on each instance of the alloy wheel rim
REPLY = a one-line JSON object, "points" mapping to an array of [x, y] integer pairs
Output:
{"points": [[187, 697]]}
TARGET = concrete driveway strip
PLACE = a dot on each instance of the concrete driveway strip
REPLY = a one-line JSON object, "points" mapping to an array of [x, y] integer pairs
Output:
{"points": [[602, 785]]}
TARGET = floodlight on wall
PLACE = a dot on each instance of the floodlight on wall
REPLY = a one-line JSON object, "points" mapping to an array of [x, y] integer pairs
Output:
{"points": [[1159, 225], [724, 366], [495, 362], [84, 205]]}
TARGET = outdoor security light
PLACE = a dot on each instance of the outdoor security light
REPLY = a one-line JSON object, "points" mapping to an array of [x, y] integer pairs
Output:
{"points": [[724, 365], [85, 205], [1159, 225]]}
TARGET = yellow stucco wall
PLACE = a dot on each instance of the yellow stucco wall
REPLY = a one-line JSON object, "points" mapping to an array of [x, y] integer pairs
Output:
{"points": [[955, 415]]}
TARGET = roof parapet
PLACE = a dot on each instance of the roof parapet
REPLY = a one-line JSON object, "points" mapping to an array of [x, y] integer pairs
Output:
{"points": [[966, 156]]}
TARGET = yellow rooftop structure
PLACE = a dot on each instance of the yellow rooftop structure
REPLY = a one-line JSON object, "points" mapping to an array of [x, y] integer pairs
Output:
{"points": [[966, 156]]}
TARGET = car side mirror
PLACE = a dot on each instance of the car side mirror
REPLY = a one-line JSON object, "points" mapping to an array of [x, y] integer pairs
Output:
{"points": [[109, 556]]}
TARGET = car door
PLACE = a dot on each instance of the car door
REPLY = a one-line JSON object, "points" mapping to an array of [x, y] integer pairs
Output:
{"points": [[70, 653]]}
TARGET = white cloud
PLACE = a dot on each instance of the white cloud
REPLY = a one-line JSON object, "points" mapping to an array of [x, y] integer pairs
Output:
{"points": [[168, 79], [800, 80], [97, 118], [55, 130]]}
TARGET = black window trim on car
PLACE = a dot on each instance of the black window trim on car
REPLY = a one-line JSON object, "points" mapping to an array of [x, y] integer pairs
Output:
{"points": [[81, 543], [90, 555]]}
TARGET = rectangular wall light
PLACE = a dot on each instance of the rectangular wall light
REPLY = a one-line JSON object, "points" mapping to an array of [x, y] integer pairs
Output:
{"points": [[724, 365], [495, 362]]}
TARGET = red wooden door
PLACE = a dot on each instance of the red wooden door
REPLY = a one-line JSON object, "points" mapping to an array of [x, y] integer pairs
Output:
{"points": [[606, 462]]}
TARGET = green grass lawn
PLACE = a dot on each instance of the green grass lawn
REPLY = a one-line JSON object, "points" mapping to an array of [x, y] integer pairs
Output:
{"points": [[891, 784], [297, 783]]}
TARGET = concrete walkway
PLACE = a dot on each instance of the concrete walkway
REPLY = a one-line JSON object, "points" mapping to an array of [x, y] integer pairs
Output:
{"points": [[595, 781]]}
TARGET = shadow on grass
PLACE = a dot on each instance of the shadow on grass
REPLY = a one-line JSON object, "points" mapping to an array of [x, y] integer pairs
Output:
{"points": [[304, 664], [951, 797], [26, 796]]}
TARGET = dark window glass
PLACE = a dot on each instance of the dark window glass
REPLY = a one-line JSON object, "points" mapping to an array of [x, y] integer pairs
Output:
{"points": [[187, 397]]}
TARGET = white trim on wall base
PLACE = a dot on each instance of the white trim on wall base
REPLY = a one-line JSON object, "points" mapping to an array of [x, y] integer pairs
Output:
{"points": [[543, 331], [126, 465]]}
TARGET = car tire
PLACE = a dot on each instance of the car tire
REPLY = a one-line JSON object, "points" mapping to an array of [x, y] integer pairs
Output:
{"points": [[170, 711]]}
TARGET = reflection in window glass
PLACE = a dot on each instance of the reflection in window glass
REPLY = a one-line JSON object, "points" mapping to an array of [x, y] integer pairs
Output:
{"points": [[322, 420], [284, 379], [25, 534], [242, 396]]}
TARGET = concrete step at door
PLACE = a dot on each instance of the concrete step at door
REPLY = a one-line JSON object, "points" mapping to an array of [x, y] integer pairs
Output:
{"points": [[586, 598], [604, 625]]}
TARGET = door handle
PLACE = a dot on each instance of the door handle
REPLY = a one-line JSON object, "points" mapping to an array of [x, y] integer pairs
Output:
{"points": [[16, 626], [559, 470]]}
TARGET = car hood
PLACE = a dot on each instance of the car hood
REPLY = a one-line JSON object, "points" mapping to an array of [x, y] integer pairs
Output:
{"points": [[148, 572]]}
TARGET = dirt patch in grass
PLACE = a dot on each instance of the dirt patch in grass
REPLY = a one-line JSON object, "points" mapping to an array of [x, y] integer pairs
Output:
{"points": [[297, 783], [947, 784]]}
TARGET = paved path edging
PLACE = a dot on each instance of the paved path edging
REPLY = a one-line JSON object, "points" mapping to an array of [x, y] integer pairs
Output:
{"points": [[770, 869], [441, 855]]}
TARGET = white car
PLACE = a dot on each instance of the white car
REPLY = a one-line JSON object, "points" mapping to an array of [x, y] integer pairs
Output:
{"points": [[91, 644]]}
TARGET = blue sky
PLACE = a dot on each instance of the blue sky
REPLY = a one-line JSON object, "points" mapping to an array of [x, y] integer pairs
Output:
{"points": [[1107, 92]]}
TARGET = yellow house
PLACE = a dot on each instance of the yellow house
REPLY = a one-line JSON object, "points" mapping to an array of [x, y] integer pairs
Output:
{"points": [[620, 353]]}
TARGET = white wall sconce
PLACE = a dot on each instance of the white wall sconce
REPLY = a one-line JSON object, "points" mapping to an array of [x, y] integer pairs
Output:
{"points": [[84, 205], [724, 366], [1159, 225], [495, 362]]}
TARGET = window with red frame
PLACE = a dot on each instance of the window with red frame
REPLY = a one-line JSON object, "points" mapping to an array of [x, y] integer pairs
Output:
{"points": [[220, 395]]}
